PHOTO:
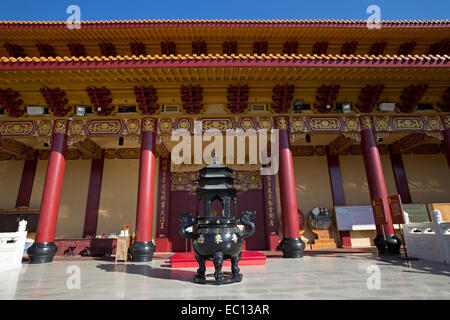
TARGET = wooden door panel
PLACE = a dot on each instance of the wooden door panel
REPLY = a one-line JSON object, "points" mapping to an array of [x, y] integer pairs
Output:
{"points": [[252, 200], [181, 201]]}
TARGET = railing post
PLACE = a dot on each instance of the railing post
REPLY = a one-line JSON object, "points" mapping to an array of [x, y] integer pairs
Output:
{"points": [[440, 236]]}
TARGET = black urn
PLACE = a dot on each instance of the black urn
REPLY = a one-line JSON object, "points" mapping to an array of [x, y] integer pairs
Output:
{"points": [[220, 237]]}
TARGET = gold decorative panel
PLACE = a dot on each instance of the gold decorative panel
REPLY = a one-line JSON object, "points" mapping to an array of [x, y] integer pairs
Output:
{"points": [[16, 128], [325, 124], [407, 123], [104, 127]]}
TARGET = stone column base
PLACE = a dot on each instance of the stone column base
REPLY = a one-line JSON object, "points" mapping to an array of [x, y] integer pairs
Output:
{"points": [[390, 245], [292, 247], [142, 251], [42, 252]]}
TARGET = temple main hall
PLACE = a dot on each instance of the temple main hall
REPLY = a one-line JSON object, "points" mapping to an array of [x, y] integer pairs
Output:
{"points": [[87, 116]]}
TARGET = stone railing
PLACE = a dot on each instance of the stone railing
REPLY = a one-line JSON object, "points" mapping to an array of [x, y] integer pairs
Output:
{"points": [[12, 245], [428, 240]]}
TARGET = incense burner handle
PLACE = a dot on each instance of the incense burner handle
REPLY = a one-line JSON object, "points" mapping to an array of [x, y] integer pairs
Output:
{"points": [[245, 220], [186, 221]]}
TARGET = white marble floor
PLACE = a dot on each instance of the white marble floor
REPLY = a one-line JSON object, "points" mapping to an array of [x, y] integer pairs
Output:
{"points": [[340, 276]]}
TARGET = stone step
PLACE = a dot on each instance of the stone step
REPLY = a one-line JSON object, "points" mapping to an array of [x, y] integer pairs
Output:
{"points": [[324, 241], [323, 245]]}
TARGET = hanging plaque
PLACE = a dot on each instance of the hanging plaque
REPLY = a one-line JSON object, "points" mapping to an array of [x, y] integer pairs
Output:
{"points": [[395, 204], [379, 211]]}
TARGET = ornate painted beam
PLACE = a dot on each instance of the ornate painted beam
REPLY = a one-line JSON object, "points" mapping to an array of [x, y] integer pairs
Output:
{"points": [[411, 141], [16, 148], [342, 143], [89, 149]]}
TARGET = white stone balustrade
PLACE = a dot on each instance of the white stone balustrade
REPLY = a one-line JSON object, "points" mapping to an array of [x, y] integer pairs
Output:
{"points": [[428, 240], [12, 245]]}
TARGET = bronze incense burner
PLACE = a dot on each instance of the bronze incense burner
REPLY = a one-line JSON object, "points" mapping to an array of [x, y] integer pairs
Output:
{"points": [[217, 238]]}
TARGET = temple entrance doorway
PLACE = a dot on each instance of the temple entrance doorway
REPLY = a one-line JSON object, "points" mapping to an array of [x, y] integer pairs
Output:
{"points": [[183, 199]]}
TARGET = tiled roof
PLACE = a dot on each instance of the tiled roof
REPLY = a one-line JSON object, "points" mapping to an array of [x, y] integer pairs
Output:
{"points": [[228, 23], [224, 60]]}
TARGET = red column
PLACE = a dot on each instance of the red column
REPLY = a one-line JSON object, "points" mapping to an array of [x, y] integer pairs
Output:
{"points": [[292, 245], [144, 248], [337, 188], [93, 200], [26, 183], [377, 186], [44, 248], [446, 142], [400, 175]]}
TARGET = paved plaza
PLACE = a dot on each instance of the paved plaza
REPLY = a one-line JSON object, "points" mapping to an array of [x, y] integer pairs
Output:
{"points": [[339, 276]]}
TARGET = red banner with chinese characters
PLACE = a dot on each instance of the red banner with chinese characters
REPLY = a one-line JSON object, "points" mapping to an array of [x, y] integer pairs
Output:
{"points": [[270, 208], [395, 204], [379, 211], [162, 229]]}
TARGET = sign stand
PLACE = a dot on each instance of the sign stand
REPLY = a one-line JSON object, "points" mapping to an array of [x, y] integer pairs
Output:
{"points": [[396, 208]]}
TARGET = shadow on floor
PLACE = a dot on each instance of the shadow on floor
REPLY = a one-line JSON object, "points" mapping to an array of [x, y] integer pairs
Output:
{"points": [[148, 271], [415, 266]]}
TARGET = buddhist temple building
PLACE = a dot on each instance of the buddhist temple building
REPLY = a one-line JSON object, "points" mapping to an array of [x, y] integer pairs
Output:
{"points": [[87, 117]]}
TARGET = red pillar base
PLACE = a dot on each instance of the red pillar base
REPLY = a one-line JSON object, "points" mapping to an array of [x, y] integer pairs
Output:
{"points": [[142, 251], [390, 245], [42, 252], [292, 247]]}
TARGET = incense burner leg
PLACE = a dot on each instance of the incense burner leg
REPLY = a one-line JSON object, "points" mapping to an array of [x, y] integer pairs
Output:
{"points": [[218, 261], [234, 263], [201, 266]]}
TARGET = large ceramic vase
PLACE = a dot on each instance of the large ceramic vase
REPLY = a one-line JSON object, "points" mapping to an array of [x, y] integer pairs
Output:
{"points": [[217, 236]]}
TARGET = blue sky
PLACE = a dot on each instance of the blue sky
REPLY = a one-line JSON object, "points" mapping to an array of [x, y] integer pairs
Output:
{"points": [[223, 9]]}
